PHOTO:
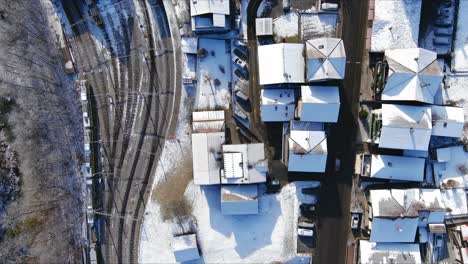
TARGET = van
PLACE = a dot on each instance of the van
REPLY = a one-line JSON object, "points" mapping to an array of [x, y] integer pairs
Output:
{"points": [[443, 32], [441, 41], [329, 7]]}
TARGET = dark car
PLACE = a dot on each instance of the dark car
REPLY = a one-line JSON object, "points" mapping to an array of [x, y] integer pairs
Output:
{"points": [[308, 210], [443, 22], [443, 32], [240, 54], [311, 190], [242, 74]]}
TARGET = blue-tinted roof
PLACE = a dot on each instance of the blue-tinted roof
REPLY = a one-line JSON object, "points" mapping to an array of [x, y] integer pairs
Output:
{"points": [[394, 230]]}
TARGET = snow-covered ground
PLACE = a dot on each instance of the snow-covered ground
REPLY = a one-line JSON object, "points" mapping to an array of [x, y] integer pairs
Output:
{"points": [[286, 26], [396, 24], [267, 237], [243, 15], [214, 75], [318, 25], [460, 60]]}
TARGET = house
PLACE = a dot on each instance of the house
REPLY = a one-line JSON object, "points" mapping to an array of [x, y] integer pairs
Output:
{"points": [[305, 147], [392, 168], [277, 105], [395, 24], [413, 75], [405, 127], [460, 57], [447, 121], [398, 213], [319, 104], [185, 248], [281, 63], [326, 59], [370, 252], [210, 15], [264, 26], [239, 199], [244, 164], [208, 136]]}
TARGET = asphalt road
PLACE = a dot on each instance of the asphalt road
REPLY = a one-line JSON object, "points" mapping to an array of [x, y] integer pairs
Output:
{"points": [[336, 192]]}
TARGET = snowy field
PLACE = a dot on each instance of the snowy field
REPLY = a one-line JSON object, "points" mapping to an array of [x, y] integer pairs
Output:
{"points": [[318, 25], [286, 26], [460, 60], [214, 75], [396, 24]]}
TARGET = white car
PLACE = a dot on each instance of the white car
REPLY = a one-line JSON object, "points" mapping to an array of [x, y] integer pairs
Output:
{"points": [[240, 62], [305, 232], [329, 6]]}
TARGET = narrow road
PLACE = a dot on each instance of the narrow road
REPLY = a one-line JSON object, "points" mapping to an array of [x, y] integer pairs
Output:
{"points": [[336, 192]]}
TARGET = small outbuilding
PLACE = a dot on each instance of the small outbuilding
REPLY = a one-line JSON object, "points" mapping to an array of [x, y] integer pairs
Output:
{"points": [[210, 15], [185, 248], [264, 26]]}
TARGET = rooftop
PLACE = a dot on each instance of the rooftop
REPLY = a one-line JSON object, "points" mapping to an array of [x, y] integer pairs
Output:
{"points": [[281, 63], [209, 7], [319, 104], [450, 170], [401, 230], [460, 58], [277, 105], [264, 26], [370, 252], [206, 149], [447, 121], [185, 248], [395, 25], [239, 199], [307, 151], [397, 168], [244, 164], [326, 59], [405, 127], [208, 121], [414, 75]]}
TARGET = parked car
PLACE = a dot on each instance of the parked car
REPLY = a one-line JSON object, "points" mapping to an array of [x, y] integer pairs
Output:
{"points": [[443, 32], [306, 225], [441, 41], [240, 113], [242, 95], [337, 165], [329, 7], [355, 219], [240, 62], [443, 22], [305, 232], [241, 74], [308, 210], [311, 190], [240, 54]]}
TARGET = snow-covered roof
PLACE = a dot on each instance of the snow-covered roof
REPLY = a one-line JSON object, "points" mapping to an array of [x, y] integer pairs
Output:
{"points": [[414, 75], [460, 58], [244, 164], [264, 26], [307, 151], [205, 149], [455, 94], [277, 105], [450, 170], [185, 248], [320, 104], [201, 7], [397, 168], [208, 121], [281, 63], [405, 127], [395, 25], [397, 203], [373, 253], [239, 199], [455, 201], [399, 230], [447, 121], [326, 59]]}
